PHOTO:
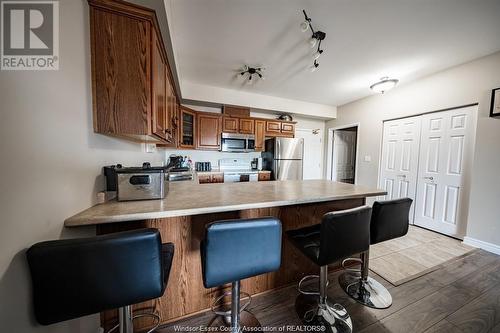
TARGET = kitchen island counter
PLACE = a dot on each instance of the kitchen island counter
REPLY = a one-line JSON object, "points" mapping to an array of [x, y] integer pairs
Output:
{"points": [[190, 198], [181, 218]]}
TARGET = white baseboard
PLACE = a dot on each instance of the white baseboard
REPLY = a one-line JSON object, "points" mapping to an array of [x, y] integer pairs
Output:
{"points": [[483, 245]]}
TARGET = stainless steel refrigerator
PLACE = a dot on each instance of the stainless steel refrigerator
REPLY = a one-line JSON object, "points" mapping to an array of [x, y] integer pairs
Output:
{"points": [[283, 156]]}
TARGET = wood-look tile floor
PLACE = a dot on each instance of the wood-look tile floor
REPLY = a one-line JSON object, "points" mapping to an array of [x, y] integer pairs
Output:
{"points": [[419, 252], [461, 296]]}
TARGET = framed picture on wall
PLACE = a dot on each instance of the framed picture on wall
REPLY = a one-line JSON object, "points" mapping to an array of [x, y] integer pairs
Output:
{"points": [[495, 103]]}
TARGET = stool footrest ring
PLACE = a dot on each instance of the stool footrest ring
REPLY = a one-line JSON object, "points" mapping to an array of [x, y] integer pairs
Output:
{"points": [[308, 292], [244, 296], [357, 260], [142, 315]]}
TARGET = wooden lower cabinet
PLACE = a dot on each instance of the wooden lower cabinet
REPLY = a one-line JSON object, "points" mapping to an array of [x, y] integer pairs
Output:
{"points": [[264, 176], [185, 293], [218, 178], [211, 178], [208, 131]]}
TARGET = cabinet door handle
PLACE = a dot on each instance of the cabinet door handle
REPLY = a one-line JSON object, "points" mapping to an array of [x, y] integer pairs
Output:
{"points": [[402, 176], [430, 178]]}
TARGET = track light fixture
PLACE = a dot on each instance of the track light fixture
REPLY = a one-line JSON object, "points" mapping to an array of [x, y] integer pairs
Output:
{"points": [[316, 39], [251, 71]]}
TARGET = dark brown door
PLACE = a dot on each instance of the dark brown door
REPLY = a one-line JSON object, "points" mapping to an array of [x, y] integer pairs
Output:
{"points": [[247, 126], [260, 134], [160, 99], [230, 125], [208, 131]]}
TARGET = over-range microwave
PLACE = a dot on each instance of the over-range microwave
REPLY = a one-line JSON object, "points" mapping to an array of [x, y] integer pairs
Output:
{"points": [[237, 143]]}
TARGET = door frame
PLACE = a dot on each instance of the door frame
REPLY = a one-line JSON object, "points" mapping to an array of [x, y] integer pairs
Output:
{"points": [[329, 155]]}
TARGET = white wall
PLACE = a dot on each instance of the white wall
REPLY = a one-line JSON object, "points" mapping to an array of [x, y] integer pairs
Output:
{"points": [[465, 84], [50, 164]]}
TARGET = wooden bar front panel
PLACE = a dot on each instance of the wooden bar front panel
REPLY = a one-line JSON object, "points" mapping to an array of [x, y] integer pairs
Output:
{"points": [[185, 293]]}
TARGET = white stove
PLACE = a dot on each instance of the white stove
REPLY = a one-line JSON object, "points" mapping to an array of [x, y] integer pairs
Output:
{"points": [[238, 170]]}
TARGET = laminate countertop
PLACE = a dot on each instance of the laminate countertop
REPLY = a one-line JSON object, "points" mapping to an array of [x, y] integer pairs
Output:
{"points": [[189, 198]]}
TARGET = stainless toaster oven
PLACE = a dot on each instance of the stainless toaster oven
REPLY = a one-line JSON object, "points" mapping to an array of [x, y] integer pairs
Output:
{"points": [[141, 183]]}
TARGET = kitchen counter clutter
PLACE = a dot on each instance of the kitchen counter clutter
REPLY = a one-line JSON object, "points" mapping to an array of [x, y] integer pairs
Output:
{"points": [[190, 198]]}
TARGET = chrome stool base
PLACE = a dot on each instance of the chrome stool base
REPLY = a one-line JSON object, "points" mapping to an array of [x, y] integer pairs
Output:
{"points": [[333, 317], [248, 323], [244, 320], [369, 292], [126, 324]]}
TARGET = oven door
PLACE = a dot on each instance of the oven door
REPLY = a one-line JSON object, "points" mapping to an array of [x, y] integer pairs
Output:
{"points": [[233, 143]]}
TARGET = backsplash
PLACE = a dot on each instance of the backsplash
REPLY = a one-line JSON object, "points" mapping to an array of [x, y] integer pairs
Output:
{"points": [[209, 156]]}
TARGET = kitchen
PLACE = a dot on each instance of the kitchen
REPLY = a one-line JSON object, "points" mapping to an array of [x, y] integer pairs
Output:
{"points": [[244, 166]]}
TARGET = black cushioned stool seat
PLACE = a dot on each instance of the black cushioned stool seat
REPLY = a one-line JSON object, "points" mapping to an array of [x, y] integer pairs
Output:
{"points": [[76, 277], [238, 249], [340, 234], [389, 220]]}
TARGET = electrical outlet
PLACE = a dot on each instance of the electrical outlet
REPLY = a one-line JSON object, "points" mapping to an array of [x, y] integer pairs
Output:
{"points": [[150, 148], [368, 158]]}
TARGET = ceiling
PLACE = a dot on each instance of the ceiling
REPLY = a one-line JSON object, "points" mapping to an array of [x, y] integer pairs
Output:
{"points": [[366, 40]]}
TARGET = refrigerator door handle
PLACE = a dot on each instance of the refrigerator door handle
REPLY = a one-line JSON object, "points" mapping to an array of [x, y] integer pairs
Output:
{"points": [[278, 147]]}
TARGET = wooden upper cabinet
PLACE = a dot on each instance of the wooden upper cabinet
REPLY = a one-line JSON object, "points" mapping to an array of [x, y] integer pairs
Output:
{"points": [[131, 89], [236, 111], [260, 134], [187, 128], [273, 127], [230, 125], [247, 126], [208, 131], [161, 94], [288, 129]]}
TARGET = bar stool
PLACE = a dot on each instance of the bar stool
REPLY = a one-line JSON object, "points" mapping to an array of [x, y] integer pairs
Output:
{"points": [[341, 234], [238, 249], [389, 220], [73, 278]]}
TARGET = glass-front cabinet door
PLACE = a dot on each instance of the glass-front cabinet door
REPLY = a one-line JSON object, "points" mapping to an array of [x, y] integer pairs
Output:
{"points": [[187, 139]]}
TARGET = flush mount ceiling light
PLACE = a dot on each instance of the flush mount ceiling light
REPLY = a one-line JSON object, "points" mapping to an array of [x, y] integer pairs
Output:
{"points": [[384, 85], [316, 39], [251, 71]]}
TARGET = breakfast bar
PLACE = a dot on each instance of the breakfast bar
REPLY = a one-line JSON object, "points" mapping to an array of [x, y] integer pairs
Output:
{"points": [[181, 218]]}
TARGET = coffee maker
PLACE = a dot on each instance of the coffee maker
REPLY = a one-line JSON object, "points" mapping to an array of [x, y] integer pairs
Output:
{"points": [[175, 164]]}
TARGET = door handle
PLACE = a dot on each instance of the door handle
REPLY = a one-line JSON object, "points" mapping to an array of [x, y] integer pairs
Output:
{"points": [[430, 178]]}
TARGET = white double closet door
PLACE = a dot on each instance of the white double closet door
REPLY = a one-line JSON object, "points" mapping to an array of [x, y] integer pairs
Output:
{"points": [[427, 158]]}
